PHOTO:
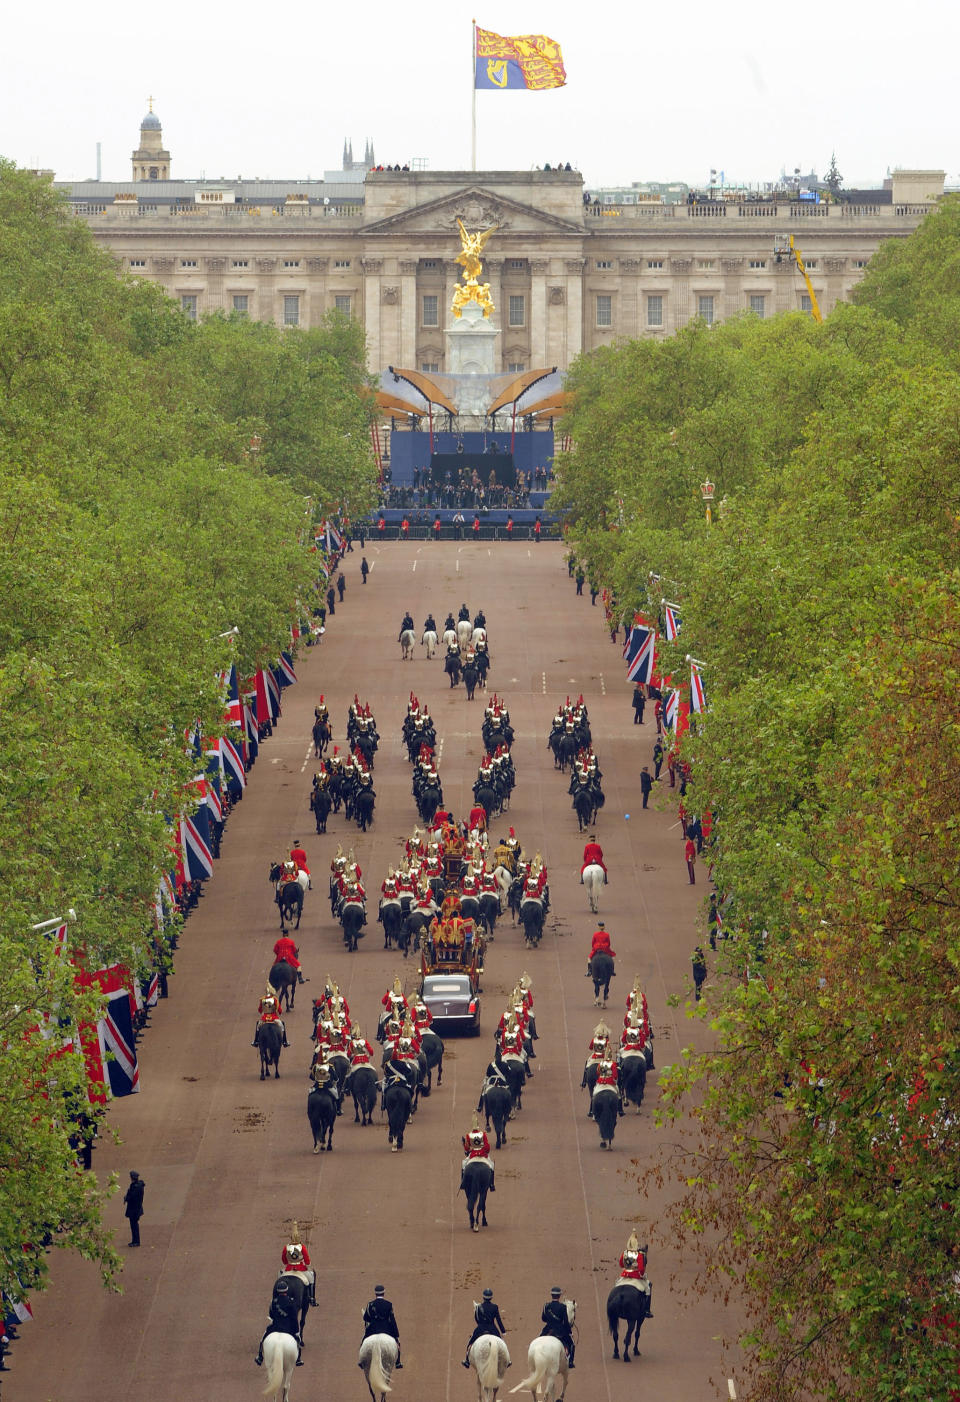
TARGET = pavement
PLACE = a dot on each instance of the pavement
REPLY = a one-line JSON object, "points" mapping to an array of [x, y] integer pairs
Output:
{"points": [[227, 1160]]}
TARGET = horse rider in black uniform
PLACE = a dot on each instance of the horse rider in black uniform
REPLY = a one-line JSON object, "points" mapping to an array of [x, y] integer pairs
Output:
{"points": [[488, 1320], [464, 614], [407, 623], [378, 1318], [556, 1323], [481, 619], [450, 623], [429, 624], [284, 1319]]}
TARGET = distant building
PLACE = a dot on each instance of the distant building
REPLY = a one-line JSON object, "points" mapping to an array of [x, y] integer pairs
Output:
{"points": [[568, 270]]}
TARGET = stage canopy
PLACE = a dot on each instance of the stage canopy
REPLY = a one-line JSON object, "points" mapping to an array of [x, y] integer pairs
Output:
{"points": [[412, 392]]}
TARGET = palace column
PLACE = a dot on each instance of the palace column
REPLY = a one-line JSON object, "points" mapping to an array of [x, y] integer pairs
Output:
{"points": [[573, 338], [680, 279], [409, 314], [493, 273], [539, 267], [316, 291], [372, 269]]}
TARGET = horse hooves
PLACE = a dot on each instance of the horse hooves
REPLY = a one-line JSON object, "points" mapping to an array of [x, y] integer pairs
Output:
{"points": [[316, 1148], [626, 1356], [394, 1149], [476, 1226]]}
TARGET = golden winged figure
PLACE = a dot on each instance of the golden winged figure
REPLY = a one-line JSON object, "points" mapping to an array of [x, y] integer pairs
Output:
{"points": [[472, 245]]}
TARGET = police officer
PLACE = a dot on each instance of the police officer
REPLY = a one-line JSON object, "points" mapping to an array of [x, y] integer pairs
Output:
{"points": [[378, 1318], [487, 1316], [284, 1319], [407, 623], [556, 1324]]}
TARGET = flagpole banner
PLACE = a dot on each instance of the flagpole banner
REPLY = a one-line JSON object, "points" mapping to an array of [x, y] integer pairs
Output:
{"points": [[671, 615], [698, 701], [639, 653], [530, 61]]}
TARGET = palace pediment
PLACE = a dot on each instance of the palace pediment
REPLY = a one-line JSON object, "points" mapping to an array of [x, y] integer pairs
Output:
{"points": [[478, 207]]}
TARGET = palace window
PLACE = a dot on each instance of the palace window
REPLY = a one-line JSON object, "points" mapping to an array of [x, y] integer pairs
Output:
{"points": [[654, 264], [604, 311], [241, 303], [812, 265], [138, 262], [758, 264], [341, 262], [860, 262], [516, 265], [429, 265], [516, 367], [431, 311], [430, 367], [604, 263], [758, 304], [654, 311], [291, 310], [705, 265], [188, 262], [240, 263], [342, 303], [291, 262], [188, 305], [516, 311], [705, 309]]}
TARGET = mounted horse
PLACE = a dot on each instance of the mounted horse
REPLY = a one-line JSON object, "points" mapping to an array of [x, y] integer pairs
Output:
{"points": [[606, 1108], [431, 1044], [408, 641], [363, 1085], [496, 1101], [627, 1301], [320, 802], [547, 1361], [429, 641], [378, 1358], [391, 918], [364, 803], [288, 893], [633, 1077], [398, 1103], [352, 915], [531, 918], [322, 735], [464, 634], [490, 1358], [593, 879], [322, 1114], [601, 971], [451, 665], [284, 979], [584, 806], [477, 1177], [270, 1044], [279, 1358]]}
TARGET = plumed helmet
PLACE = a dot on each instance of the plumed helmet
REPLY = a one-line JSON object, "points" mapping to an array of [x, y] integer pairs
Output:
{"points": [[294, 1252]]}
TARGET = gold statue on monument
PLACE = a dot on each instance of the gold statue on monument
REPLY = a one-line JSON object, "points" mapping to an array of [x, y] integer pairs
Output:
{"points": [[471, 246]]}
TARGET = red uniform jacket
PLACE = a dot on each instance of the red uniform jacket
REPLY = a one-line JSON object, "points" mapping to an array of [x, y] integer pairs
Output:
{"points": [[601, 944], [592, 853], [298, 855], [298, 1265], [480, 1151], [286, 949]]}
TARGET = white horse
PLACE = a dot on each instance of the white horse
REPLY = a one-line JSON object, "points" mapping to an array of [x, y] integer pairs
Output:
{"points": [[547, 1362], [479, 636], [450, 636], [378, 1358], [594, 878], [407, 641], [429, 641], [279, 1359], [504, 881], [464, 633], [491, 1360]]}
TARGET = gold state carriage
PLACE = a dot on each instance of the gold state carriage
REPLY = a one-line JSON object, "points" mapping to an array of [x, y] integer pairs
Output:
{"points": [[453, 944]]}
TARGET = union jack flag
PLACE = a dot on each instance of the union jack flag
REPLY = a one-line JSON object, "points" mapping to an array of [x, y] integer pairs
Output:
{"points": [[232, 714], [671, 622], [284, 672], [698, 701], [670, 709], [231, 762], [640, 652], [195, 845]]}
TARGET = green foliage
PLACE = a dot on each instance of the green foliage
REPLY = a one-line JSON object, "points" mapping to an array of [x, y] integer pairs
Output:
{"points": [[820, 1136], [135, 527]]}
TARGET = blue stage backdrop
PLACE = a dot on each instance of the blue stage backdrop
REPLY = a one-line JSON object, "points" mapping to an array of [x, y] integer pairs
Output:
{"points": [[410, 449]]}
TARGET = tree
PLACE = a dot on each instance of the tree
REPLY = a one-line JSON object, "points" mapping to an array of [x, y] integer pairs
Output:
{"points": [[834, 178]]}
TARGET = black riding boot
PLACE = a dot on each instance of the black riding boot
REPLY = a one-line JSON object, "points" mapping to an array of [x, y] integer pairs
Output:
{"points": [[650, 1302], [300, 977], [493, 1182], [573, 1349], [256, 1037]]}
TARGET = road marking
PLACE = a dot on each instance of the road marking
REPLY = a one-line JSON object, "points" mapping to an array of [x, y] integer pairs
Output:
{"points": [[528, 554], [458, 562], [543, 682], [732, 1390], [414, 567], [306, 759], [603, 689]]}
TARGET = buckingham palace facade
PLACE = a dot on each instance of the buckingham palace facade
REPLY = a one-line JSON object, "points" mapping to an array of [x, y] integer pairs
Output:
{"points": [[567, 272]]}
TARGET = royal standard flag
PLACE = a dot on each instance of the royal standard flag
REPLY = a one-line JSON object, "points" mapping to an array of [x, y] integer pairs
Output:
{"points": [[529, 61]]}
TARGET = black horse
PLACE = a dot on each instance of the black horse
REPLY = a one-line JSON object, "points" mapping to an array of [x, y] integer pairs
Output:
{"points": [[477, 1177], [633, 1078], [353, 917], [489, 911], [583, 806], [601, 971], [531, 918], [283, 978], [363, 806], [270, 1044], [514, 1072], [486, 796], [322, 735], [391, 918], [431, 1045], [288, 896], [397, 1101], [605, 1104], [320, 805], [497, 1102], [322, 1113], [633, 1305], [566, 750], [451, 665], [362, 1085], [470, 678]]}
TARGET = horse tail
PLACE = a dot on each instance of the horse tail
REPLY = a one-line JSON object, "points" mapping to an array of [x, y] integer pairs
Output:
{"points": [[376, 1376], [274, 1366], [540, 1369], [488, 1369]]}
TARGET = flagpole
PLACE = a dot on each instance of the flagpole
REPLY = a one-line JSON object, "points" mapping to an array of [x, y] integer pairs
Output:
{"points": [[473, 84]]}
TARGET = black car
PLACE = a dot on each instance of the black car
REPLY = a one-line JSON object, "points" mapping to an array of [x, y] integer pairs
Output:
{"points": [[453, 1001]]}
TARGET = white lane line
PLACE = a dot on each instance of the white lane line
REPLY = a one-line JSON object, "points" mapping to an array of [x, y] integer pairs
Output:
{"points": [[306, 759], [543, 682], [458, 563], [603, 688], [414, 567], [731, 1390]]}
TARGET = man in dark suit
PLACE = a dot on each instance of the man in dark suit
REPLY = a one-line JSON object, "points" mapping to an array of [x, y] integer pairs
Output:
{"points": [[133, 1198], [487, 1315], [378, 1318], [556, 1323]]}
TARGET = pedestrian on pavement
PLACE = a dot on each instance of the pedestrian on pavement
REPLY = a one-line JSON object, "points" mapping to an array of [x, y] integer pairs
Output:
{"points": [[378, 1318], [657, 757], [690, 853], [331, 601], [699, 969], [672, 768], [646, 784], [362, 535], [405, 529], [364, 568], [639, 702], [571, 563], [133, 1210], [581, 579], [487, 1316], [658, 715], [341, 586], [594, 591], [713, 920]]}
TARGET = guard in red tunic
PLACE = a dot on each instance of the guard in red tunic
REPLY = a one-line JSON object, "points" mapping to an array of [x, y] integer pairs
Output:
{"points": [[359, 1049], [593, 856], [269, 1011], [285, 951], [476, 1145], [633, 1266], [421, 1015], [298, 855], [393, 1000]]}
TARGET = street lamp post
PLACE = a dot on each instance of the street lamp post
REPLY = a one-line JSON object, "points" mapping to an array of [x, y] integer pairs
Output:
{"points": [[707, 490]]}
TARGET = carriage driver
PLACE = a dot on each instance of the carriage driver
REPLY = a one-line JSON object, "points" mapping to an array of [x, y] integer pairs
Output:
{"points": [[488, 1321], [269, 1011], [593, 856], [633, 1266], [556, 1323], [378, 1318], [284, 1319], [406, 625], [476, 1145], [286, 952]]}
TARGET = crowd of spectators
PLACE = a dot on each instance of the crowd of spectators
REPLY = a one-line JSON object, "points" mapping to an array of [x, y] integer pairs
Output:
{"points": [[466, 490]]}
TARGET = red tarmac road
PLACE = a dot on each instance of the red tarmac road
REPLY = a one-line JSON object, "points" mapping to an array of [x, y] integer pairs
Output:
{"points": [[227, 1160]]}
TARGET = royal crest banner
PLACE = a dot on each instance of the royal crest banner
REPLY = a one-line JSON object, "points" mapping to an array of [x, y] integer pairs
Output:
{"points": [[531, 61]]}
